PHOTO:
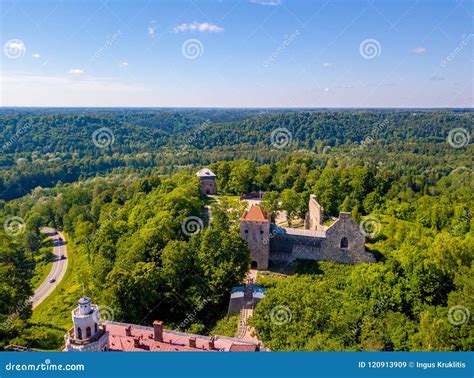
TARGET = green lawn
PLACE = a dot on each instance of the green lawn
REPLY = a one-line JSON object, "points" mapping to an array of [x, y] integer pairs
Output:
{"points": [[43, 263], [228, 198]]}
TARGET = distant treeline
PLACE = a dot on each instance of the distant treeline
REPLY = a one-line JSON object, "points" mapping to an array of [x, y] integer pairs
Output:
{"points": [[43, 147]]}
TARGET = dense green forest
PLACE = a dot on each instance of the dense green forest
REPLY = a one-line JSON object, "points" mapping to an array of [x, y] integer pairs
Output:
{"points": [[123, 208], [42, 148]]}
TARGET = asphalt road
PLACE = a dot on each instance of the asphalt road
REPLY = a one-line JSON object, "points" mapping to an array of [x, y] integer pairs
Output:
{"points": [[57, 270]]}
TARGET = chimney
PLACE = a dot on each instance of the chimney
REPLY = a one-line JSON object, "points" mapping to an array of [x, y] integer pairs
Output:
{"points": [[192, 342], [211, 343], [136, 342], [128, 331], [158, 330]]}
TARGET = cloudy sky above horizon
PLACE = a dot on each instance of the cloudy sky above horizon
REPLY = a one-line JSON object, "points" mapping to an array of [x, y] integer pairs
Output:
{"points": [[237, 53]]}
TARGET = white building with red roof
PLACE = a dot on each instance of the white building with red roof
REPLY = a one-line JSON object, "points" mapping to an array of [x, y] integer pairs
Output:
{"points": [[91, 334]]}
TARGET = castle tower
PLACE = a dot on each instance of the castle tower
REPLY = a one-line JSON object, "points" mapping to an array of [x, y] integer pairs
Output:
{"points": [[207, 180], [255, 230], [87, 333]]}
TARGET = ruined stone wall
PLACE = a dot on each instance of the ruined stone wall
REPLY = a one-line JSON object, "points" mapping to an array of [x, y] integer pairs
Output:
{"points": [[346, 227], [287, 248], [314, 216]]}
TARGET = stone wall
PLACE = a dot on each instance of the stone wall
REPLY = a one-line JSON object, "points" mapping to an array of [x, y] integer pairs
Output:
{"points": [[208, 185], [346, 227], [342, 242], [286, 247], [314, 216]]}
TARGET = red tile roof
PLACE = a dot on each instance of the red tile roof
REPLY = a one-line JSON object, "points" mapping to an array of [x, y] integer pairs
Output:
{"points": [[141, 340], [255, 214], [243, 348]]}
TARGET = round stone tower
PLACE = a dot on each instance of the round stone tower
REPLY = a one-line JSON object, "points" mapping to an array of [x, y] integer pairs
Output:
{"points": [[87, 333]]}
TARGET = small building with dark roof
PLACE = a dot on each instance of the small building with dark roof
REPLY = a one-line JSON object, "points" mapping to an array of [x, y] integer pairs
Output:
{"points": [[207, 180]]}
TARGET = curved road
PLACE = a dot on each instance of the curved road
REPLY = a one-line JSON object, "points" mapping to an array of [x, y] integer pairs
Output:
{"points": [[57, 270]]}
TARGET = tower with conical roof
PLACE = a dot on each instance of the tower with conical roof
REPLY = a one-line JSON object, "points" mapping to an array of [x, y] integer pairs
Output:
{"points": [[255, 230]]}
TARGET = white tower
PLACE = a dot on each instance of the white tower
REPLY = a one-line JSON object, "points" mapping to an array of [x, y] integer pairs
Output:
{"points": [[87, 333]]}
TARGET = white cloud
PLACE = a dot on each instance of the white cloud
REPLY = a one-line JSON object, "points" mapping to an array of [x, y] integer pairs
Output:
{"points": [[419, 50], [198, 26], [151, 31], [76, 71], [123, 64], [30, 90], [36, 56], [266, 2], [327, 65]]}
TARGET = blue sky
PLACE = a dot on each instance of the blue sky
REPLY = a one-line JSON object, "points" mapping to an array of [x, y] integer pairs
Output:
{"points": [[237, 53]]}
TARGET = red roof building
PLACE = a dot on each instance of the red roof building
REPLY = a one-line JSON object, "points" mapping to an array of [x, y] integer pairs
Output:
{"points": [[134, 338], [255, 214]]}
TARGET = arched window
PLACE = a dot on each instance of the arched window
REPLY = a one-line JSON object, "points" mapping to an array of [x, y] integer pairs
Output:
{"points": [[95, 328], [344, 243], [88, 332], [79, 333]]}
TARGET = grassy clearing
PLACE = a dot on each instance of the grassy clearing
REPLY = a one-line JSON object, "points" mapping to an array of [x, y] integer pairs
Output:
{"points": [[229, 198], [43, 263]]}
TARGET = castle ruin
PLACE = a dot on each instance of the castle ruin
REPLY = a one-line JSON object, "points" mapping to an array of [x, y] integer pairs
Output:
{"points": [[342, 242]]}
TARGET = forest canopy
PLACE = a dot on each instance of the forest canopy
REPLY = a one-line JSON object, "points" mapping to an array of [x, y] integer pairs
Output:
{"points": [[123, 207]]}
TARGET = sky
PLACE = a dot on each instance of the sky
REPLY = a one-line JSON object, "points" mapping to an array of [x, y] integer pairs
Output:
{"points": [[237, 53]]}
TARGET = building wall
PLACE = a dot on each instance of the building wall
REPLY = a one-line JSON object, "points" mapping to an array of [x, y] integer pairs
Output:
{"points": [[346, 227], [288, 248], [208, 185], [314, 216]]}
